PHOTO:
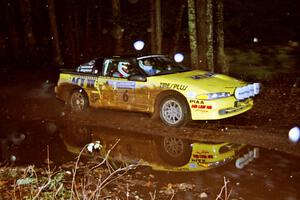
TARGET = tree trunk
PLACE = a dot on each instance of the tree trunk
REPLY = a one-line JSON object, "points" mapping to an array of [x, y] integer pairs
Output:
{"points": [[30, 42], [178, 27], [155, 21], [69, 36], [202, 33], [88, 25], [13, 36], [210, 38], [55, 36], [221, 64], [192, 33], [75, 30], [98, 29], [117, 30], [116, 9]]}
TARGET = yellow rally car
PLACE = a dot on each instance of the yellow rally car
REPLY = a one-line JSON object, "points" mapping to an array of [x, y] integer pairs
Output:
{"points": [[157, 85]]}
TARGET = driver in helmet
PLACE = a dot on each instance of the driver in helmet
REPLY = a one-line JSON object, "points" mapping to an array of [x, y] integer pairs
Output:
{"points": [[124, 69]]}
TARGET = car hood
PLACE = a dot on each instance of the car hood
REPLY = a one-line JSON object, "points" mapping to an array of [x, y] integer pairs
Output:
{"points": [[203, 80]]}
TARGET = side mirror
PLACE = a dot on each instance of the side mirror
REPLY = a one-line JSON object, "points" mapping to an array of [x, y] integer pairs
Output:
{"points": [[137, 77]]}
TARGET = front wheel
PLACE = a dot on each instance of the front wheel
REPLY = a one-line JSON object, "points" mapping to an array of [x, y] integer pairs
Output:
{"points": [[78, 101], [175, 151], [174, 111]]}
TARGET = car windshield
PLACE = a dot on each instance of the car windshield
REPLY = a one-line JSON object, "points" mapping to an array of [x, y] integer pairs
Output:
{"points": [[159, 65]]}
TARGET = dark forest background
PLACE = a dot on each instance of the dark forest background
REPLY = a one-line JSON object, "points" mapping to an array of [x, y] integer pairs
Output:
{"points": [[86, 28]]}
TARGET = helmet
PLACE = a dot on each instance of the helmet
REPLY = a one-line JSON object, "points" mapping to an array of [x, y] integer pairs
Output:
{"points": [[123, 68]]}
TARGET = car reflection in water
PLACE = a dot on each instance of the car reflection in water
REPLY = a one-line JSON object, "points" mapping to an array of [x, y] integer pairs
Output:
{"points": [[158, 152]]}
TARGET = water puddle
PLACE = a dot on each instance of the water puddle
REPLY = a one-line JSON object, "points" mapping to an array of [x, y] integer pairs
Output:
{"points": [[196, 168]]}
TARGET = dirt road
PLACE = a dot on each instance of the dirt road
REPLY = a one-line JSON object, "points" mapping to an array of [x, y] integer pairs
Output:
{"points": [[275, 112], [29, 101]]}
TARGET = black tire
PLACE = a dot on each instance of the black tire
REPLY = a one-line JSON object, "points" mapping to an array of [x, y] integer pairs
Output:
{"points": [[78, 101], [173, 111], [175, 151], [81, 136]]}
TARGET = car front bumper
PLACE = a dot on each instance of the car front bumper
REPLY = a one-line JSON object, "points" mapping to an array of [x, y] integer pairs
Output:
{"points": [[219, 108]]}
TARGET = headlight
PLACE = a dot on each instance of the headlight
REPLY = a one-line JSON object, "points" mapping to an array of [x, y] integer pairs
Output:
{"points": [[216, 95]]}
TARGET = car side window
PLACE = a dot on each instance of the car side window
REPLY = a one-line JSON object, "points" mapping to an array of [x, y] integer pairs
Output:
{"points": [[114, 72], [119, 68], [97, 69], [86, 67], [110, 68], [106, 67]]}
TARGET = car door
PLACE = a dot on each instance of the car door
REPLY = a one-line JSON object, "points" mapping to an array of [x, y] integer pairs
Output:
{"points": [[116, 91]]}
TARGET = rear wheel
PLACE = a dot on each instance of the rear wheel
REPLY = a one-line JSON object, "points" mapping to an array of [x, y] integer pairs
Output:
{"points": [[173, 111], [175, 151], [78, 100], [82, 135]]}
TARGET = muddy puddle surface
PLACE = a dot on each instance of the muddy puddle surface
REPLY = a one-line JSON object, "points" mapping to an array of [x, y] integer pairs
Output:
{"points": [[178, 168]]}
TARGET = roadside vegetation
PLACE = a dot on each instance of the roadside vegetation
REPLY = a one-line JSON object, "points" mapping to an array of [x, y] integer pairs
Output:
{"points": [[91, 180], [265, 63]]}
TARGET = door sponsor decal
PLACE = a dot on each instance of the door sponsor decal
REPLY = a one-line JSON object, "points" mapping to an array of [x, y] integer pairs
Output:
{"points": [[90, 83], [122, 84], [195, 106], [174, 86]]}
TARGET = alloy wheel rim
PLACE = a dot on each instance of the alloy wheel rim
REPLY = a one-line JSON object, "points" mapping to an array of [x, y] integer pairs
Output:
{"points": [[172, 112], [77, 101], [174, 146]]}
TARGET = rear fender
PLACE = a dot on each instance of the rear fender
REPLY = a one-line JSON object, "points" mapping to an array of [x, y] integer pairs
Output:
{"points": [[64, 90]]}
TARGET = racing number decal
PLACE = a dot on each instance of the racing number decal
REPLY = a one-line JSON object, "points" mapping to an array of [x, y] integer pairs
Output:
{"points": [[125, 96]]}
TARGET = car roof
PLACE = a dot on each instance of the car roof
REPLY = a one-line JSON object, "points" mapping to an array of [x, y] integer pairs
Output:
{"points": [[151, 56], [134, 56]]}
